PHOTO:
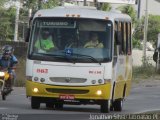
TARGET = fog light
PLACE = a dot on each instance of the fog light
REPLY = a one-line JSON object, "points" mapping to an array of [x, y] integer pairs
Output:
{"points": [[35, 90], [99, 92], [2, 74]]}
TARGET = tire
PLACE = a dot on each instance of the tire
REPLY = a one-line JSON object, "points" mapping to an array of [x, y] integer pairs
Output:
{"points": [[49, 105], [118, 104], [35, 104], [3, 96], [59, 106], [105, 106], [111, 108]]}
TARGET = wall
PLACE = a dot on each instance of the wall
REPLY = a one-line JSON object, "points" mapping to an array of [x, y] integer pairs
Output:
{"points": [[20, 47]]}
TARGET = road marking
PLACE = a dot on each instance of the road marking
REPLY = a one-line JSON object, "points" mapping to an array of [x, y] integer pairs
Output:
{"points": [[146, 111], [18, 94], [1, 108]]}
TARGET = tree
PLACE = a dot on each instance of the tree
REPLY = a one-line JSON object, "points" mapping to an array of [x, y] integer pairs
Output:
{"points": [[153, 29], [128, 9], [7, 23], [39, 4], [30, 4], [2, 2], [106, 7], [49, 4], [157, 0]]}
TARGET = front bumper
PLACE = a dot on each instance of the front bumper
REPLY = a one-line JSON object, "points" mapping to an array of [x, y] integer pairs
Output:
{"points": [[83, 92]]}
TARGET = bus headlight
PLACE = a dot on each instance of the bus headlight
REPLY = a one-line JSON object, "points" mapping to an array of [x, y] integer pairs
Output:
{"points": [[42, 79], [2, 74], [100, 81], [93, 81], [35, 90], [35, 78], [99, 92]]}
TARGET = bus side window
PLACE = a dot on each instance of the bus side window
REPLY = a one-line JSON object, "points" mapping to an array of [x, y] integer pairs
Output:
{"points": [[128, 46], [124, 37], [115, 38], [118, 38]]}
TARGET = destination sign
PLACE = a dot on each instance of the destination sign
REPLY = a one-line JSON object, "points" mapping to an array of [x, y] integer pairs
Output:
{"points": [[67, 24], [55, 23]]}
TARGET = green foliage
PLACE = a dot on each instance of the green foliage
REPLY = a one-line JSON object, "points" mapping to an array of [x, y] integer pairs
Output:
{"points": [[138, 32], [50, 4], [144, 71], [39, 4], [7, 23], [128, 9], [20, 73], [2, 2], [30, 4], [7, 19], [153, 28], [136, 43], [106, 7]]}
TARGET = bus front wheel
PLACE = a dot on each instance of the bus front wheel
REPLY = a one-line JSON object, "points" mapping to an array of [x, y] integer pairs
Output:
{"points": [[105, 106], [59, 106], [49, 105], [118, 104], [35, 104]]}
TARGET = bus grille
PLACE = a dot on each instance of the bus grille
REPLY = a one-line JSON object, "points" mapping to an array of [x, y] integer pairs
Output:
{"points": [[67, 91], [67, 80]]}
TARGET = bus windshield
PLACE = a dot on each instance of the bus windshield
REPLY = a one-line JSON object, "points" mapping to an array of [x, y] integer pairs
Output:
{"points": [[71, 40]]}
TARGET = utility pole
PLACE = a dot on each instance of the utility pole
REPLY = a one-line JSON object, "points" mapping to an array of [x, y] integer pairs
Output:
{"points": [[29, 17], [61, 2], [95, 3], [16, 20], [145, 33], [85, 3], [139, 9]]}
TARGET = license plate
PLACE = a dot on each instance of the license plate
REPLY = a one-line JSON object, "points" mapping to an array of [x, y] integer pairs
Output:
{"points": [[66, 97]]}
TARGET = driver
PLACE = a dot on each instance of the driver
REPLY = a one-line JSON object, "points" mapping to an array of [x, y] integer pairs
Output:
{"points": [[94, 41]]}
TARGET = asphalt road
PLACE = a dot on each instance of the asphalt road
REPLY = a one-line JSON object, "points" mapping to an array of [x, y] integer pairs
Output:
{"points": [[17, 106]]}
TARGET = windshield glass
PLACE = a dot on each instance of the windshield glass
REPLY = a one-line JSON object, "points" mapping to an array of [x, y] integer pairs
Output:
{"points": [[78, 40]]}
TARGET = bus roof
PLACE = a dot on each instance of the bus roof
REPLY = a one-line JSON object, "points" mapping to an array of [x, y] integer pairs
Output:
{"points": [[82, 12]]}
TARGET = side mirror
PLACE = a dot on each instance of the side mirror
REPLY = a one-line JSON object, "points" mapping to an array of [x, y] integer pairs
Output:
{"points": [[158, 45], [27, 35]]}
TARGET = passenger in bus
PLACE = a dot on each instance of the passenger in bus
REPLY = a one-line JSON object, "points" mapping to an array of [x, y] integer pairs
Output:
{"points": [[45, 42], [94, 42]]}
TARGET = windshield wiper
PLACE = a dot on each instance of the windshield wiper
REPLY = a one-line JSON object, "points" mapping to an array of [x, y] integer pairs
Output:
{"points": [[88, 56], [70, 56], [51, 54], [55, 55]]}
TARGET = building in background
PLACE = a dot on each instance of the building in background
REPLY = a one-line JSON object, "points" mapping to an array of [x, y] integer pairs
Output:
{"points": [[153, 5]]}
